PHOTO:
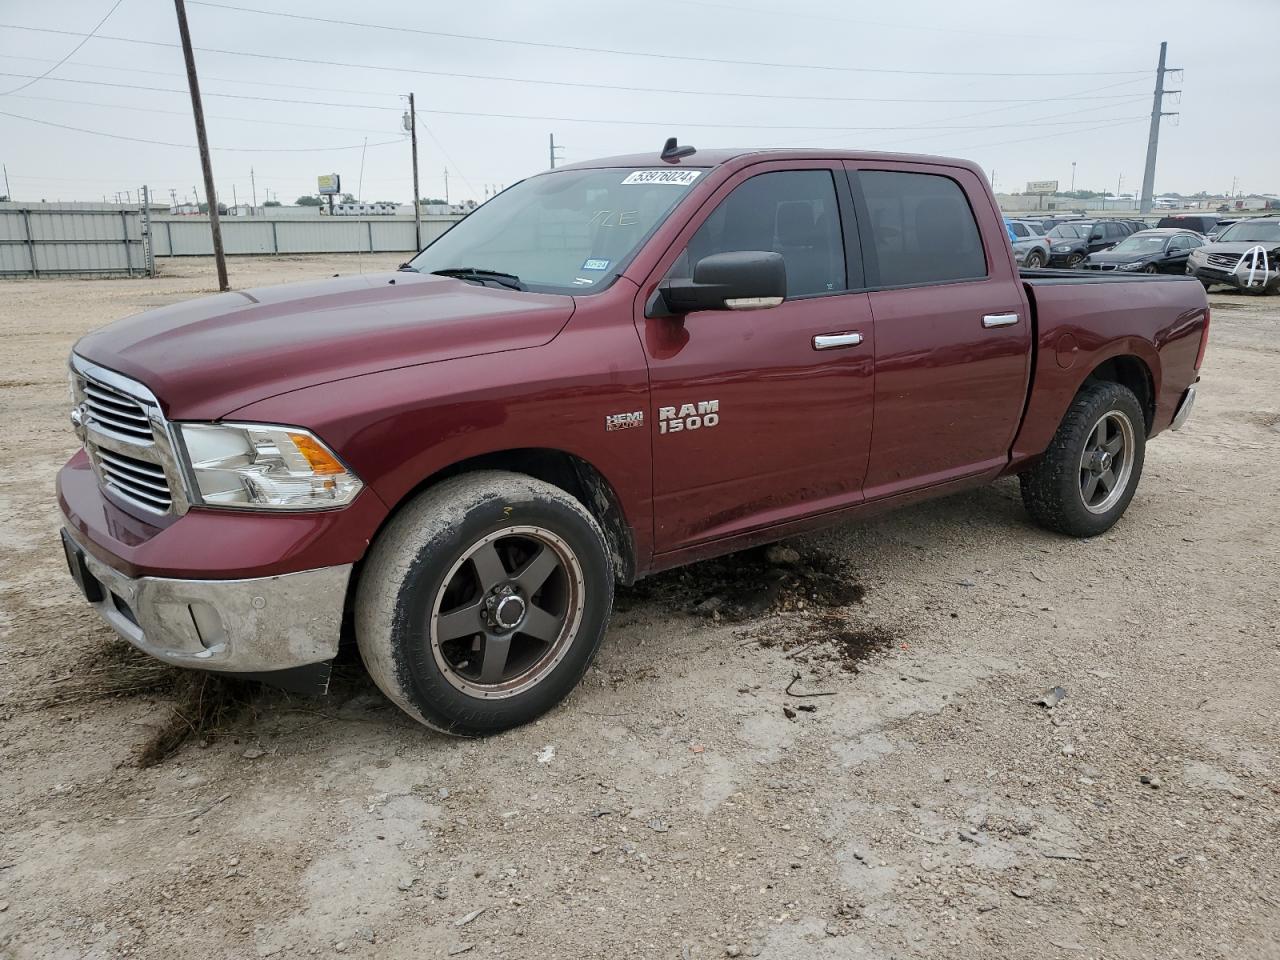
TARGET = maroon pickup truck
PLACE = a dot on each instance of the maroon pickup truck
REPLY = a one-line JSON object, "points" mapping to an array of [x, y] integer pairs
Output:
{"points": [[607, 370]]}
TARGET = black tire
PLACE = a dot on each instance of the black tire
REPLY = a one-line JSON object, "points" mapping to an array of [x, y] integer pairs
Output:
{"points": [[423, 555], [1150, 268], [1034, 260], [1206, 284], [1053, 491], [1074, 260]]}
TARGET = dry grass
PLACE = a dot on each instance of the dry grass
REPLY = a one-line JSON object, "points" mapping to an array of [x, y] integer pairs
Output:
{"points": [[200, 705]]}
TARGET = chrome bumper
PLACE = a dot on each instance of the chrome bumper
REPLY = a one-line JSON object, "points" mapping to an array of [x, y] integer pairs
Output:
{"points": [[1184, 408], [260, 625]]}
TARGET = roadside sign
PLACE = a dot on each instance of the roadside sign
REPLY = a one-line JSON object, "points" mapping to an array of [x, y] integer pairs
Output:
{"points": [[1042, 187], [329, 183]]}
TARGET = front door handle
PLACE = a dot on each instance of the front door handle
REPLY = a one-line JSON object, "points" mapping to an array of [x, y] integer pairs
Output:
{"points": [[833, 341], [999, 320]]}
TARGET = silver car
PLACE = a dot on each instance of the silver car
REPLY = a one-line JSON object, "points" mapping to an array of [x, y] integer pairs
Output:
{"points": [[1243, 256], [1030, 246]]}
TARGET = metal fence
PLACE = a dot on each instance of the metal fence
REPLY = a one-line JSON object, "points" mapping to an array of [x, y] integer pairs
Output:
{"points": [[190, 236], [74, 238], [65, 239]]}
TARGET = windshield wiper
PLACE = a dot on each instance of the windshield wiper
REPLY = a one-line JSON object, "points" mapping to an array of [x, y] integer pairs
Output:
{"points": [[480, 275]]}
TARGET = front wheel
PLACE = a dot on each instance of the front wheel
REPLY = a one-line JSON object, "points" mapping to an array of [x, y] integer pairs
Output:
{"points": [[1035, 260], [483, 602], [1087, 477], [1150, 268], [1074, 261]]}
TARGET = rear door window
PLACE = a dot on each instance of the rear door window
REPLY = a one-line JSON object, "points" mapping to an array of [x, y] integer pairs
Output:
{"points": [[923, 228]]}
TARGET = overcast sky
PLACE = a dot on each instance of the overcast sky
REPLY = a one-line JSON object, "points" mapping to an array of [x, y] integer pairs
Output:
{"points": [[1058, 55]]}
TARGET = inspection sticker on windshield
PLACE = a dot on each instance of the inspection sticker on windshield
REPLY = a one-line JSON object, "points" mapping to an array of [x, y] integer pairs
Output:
{"points": [[595, 264], [675, 178]]}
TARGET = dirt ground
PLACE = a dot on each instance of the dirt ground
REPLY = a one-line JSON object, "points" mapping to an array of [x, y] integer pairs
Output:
{"points": [[682, 803]]}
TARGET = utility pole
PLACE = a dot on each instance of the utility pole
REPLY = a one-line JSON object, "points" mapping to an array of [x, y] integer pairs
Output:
{"points": [[202, 139], [417, 196], [446, 186], [148, 248], [1073, 176], [253, 186], [1153, 138], [554, 149], [7, 192]]}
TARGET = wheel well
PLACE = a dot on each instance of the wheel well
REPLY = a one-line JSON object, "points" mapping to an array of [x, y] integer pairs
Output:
{"points": [[571, 474], [1132, 372]]}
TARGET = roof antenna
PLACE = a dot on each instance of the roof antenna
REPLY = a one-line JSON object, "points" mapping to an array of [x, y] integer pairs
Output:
{"points": [[671, 152]]}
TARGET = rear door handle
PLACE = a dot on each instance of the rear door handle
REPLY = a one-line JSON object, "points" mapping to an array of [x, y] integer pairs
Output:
{"points": [[833, 341], [999, 320]]}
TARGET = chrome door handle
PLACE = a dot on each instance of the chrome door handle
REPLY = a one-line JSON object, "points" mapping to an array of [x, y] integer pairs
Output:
{"points": [[833, 341], [999, 320]]}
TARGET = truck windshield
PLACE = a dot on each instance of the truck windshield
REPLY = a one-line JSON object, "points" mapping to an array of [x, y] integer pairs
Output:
{"points": [[1260, 231], [571, 231]]}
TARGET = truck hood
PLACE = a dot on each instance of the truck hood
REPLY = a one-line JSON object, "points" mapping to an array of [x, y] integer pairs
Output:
{"points": [[204, 358]]}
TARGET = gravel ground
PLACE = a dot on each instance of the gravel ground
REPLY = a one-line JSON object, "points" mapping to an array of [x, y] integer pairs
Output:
{"points": [[682, 803]]}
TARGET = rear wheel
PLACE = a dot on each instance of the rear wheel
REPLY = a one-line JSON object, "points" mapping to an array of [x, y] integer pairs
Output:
{"points": [[484, 601], [1087, 477]]}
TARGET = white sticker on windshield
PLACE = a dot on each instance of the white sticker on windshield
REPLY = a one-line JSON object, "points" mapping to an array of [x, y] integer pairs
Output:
{"points": [[675, 178]]}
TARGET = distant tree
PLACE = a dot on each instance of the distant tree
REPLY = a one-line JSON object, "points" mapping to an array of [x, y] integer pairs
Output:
{"points": [[222, 208], [4, 198], [309, 202], [347, 198], [273, 203], [433, 200]]}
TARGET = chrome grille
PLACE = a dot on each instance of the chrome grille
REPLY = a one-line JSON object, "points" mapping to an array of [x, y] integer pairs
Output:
{"points": [[133, 479], [115, 411], [127, 439], [1227, 261]]}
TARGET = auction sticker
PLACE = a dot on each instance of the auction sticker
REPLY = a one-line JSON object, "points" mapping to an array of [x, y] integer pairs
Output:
{"points": [[675, 178], [595, 265]]}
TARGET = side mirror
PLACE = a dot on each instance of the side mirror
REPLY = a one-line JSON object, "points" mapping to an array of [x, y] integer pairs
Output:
{"points": [[742, 280]]}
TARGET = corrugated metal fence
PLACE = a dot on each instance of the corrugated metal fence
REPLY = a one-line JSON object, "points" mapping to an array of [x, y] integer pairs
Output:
{"points": [[190, 236], [60, 239], [39, 240]]}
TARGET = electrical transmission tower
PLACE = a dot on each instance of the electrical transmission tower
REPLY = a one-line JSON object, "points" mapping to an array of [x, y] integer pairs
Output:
{"points": [[1153, 138]]}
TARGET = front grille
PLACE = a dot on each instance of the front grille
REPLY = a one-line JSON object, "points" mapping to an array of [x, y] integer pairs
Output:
{"points": [[115, 411], [137, 480], [127, 440], [1227, 261]]}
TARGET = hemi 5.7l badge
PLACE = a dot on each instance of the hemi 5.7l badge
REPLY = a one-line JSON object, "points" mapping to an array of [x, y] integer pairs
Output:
{"points": [[624, 421]]}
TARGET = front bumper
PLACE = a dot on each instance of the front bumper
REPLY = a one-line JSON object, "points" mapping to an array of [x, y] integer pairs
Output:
{"points": [[249, 626], [1238, 279]]}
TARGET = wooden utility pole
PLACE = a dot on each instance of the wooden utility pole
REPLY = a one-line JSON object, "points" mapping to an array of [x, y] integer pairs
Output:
{"points": [[211, 195], [417, 197]]}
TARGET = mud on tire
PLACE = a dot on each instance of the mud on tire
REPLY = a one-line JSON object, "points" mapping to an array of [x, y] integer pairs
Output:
{"points": [[1075, 489], [483, 602]]}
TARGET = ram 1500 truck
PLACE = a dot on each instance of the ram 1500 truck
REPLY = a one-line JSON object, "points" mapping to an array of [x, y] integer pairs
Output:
{"points": [[607, 370]]}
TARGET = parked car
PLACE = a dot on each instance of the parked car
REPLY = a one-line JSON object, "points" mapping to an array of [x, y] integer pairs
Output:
{"points": [[1030, 245], [1199, 222], [1148, 251], [1246, 255], [609, 369], [1218, 228], [1070, 243]]}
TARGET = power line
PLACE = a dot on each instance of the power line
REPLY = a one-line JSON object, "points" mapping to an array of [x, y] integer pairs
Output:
{"points": [[402, 29], [625, 88], [190, 146], [558, 119], [74, 50], [224, 96], [186, 113]]}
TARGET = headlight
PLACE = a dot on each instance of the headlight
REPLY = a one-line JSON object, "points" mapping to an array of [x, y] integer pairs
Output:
{"points": [[1198, 256], [1136, 265], [1062, 248], [264, 467]]}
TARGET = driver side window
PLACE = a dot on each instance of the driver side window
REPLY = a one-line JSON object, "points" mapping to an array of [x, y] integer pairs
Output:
{"points": [[790, 212]]}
